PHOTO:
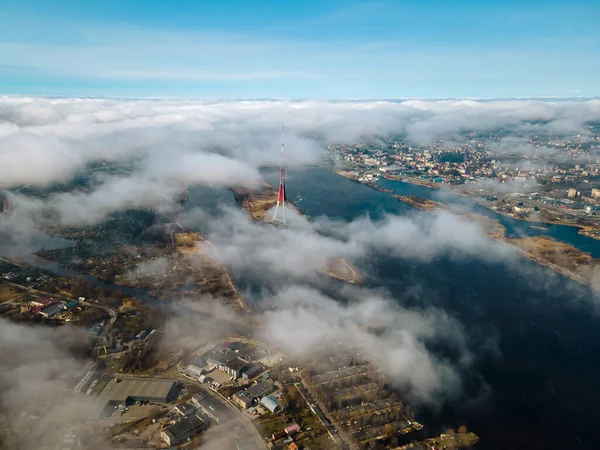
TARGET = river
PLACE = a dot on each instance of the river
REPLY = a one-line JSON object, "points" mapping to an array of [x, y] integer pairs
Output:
{"points": [[537, 388], [514, 227]]}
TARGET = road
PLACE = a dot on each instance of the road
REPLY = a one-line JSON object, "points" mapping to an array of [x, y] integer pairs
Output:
{"points": [[111, 312], [236, 433], [316, 410]]}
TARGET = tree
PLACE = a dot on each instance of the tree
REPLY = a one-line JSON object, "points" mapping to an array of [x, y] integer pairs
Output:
{"points": [[462, 429], [389, 430]]}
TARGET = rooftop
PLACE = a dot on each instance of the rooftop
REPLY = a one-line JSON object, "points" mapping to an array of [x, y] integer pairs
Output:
{"points": [[236, 364], [185, 426], [260, 389], [136, 387], [220, 354], [185, 408]]}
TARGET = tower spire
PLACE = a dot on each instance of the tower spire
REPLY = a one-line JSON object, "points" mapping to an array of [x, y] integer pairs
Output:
{"points": [[281, 198]]}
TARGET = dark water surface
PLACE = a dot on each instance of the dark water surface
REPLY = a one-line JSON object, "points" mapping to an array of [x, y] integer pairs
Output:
{"points": [[514, 227], [535, 385], [535, 335]]}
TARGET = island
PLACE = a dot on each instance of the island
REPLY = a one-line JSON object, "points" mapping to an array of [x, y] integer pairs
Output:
{"points": [[258, 202]]}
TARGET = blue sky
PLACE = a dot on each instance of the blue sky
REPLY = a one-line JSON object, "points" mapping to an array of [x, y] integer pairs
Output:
{"points": [[300, 49]]}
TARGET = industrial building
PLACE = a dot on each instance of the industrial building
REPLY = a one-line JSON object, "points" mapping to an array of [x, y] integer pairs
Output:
{"points": [[184, 429], [185, 409], [52, 309], [234, 367], [127, 391], [250, 370], [213, 409], [270, 403], [225, 359], [218, 356], [247, 396], [195, 370]]}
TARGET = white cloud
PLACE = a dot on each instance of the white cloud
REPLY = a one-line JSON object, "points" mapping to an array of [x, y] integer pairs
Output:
{"points": [[45, 140]]}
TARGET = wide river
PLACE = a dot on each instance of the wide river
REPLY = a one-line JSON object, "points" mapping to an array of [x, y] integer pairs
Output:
{"points": [[534, 380], [536, 386]]}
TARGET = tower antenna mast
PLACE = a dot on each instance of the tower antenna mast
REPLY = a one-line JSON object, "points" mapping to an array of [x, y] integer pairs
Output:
{"points": [[279, 217]]}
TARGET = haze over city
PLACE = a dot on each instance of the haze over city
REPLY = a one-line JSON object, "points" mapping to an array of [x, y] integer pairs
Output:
{"points": [[319, 225]]}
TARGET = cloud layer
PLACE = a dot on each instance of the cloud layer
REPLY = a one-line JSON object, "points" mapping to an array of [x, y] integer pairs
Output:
{"points": [[142, 153], [43, 140]]}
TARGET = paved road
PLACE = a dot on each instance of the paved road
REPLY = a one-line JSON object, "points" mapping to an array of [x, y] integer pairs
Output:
{"points": [[237, 432], [321, 416], [245, 435]]}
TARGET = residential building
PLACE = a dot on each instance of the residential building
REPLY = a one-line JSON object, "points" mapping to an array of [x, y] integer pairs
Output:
{"points": [[292, 429]]}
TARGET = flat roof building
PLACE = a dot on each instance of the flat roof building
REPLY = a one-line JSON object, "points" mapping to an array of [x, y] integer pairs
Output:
{"points": [[185, 409], [212, 408], [219, 356], [251, 370], [243, 399], [247, 396], [126, 391], [183, 429], [52, 309], [234, 367]]}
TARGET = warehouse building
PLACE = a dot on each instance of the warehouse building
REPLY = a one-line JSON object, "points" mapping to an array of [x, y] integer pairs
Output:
{"points": [[270, 403], [195, 370], [251, 370], [234, 367], [127, 391], [184, 429], [52, 309], [218, 356]]}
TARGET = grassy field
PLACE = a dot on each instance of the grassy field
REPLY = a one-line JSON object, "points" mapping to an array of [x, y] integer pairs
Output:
{"points": [[7, 292], [270, 424]]}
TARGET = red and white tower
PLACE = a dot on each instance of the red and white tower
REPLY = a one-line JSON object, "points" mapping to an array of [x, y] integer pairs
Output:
{"points": [[279, 216]]}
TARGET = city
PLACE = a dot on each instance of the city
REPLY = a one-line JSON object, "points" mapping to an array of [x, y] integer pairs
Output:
{"points": [[313, 225]]}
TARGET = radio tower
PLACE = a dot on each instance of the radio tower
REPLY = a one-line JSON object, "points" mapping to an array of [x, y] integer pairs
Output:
{"points": [[280, 218]]}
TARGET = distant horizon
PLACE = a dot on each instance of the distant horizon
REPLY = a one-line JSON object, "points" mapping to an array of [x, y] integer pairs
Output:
{"points": [[324, 99]]}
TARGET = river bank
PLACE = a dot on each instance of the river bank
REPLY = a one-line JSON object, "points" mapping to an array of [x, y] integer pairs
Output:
{"points": [[590, 231], [558, 256]]}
